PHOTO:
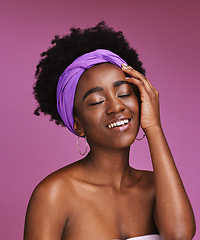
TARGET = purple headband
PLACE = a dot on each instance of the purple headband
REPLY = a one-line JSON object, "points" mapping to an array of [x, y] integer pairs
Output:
{"points": [[68, 81]]}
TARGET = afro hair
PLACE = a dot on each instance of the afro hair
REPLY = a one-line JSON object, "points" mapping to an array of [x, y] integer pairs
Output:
{"points": [[65, 50]]}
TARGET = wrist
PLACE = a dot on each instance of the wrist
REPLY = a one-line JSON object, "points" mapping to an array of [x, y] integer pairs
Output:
{"points": [[153, 130]]}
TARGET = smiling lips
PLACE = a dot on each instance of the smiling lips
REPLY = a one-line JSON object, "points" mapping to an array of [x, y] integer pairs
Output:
{"points": [[118, 123]]}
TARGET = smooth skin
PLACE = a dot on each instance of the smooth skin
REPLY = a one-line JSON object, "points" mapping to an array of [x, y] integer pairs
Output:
{"points": [[101, 196]]}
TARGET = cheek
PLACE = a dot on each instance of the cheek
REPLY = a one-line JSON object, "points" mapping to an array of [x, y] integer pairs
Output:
{"points": [[90, 120], [134, 105]]}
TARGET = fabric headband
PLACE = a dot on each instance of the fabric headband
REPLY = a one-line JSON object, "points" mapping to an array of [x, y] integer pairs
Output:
{"points": [[69, 79]]}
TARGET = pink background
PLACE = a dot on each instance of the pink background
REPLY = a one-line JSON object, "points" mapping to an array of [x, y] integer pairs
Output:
{"points": [[167, 37]]}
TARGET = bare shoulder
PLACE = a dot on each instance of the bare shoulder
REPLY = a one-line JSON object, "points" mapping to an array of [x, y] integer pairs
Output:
{"points": [[55, 192], [57, 186], [50, 205]]}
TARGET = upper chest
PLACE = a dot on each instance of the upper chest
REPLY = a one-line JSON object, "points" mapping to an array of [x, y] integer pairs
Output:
{"points": [[105, 211]]}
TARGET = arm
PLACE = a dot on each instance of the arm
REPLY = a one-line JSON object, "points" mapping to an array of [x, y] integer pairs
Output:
{"points": [[173, 213], [45, 219]]}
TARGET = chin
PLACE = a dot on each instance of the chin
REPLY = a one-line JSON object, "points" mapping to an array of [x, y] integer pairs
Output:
{"points": [[124, 142]]}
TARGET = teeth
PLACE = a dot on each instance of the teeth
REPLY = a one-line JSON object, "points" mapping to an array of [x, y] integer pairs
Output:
{"points": [[119, 123]]}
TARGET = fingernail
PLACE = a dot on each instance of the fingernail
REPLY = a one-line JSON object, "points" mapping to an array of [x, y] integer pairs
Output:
{"points": [[124, 65], [127, 78]]}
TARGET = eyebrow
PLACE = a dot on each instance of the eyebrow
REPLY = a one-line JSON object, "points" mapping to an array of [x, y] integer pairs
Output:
{"points": [[100, 89], [92, 90], [119, 83]]}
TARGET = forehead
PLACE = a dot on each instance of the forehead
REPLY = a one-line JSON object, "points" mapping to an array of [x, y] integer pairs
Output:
{"points": [[101, 74]]}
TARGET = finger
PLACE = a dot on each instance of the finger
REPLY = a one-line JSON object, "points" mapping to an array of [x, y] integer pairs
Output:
{"points": [[153, 88], [130, 71], [138, 83], [138, 75], [135, 74]]}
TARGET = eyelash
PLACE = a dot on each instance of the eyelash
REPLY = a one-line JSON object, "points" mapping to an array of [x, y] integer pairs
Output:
{"points": [[96, 103], [125, 95]]}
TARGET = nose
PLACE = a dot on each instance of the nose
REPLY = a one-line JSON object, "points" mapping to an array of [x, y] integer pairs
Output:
{"points": [[114, 105]]}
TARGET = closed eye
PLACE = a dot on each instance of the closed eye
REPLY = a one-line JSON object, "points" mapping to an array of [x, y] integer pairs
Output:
{"points": [[124, 95], [96, 103]]}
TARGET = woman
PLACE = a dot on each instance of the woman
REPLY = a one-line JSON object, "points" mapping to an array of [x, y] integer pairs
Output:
{"points": [[103, 99]]}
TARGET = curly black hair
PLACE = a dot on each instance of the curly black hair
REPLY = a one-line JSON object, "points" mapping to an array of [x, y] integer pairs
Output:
{"points": [[65, 50]]}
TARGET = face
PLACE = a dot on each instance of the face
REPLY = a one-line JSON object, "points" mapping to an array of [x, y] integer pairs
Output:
{"points": [[107, 109]]}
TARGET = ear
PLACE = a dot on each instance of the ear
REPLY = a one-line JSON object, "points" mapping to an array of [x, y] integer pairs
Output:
{"points": [[78, 127]]}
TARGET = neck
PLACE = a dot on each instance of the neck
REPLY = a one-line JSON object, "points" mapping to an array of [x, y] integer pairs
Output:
{"points": [[109, 167]]}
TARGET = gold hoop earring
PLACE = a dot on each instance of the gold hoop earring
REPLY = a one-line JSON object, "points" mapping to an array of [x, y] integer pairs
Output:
{"points": [[140, 139], [86, 146]]}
